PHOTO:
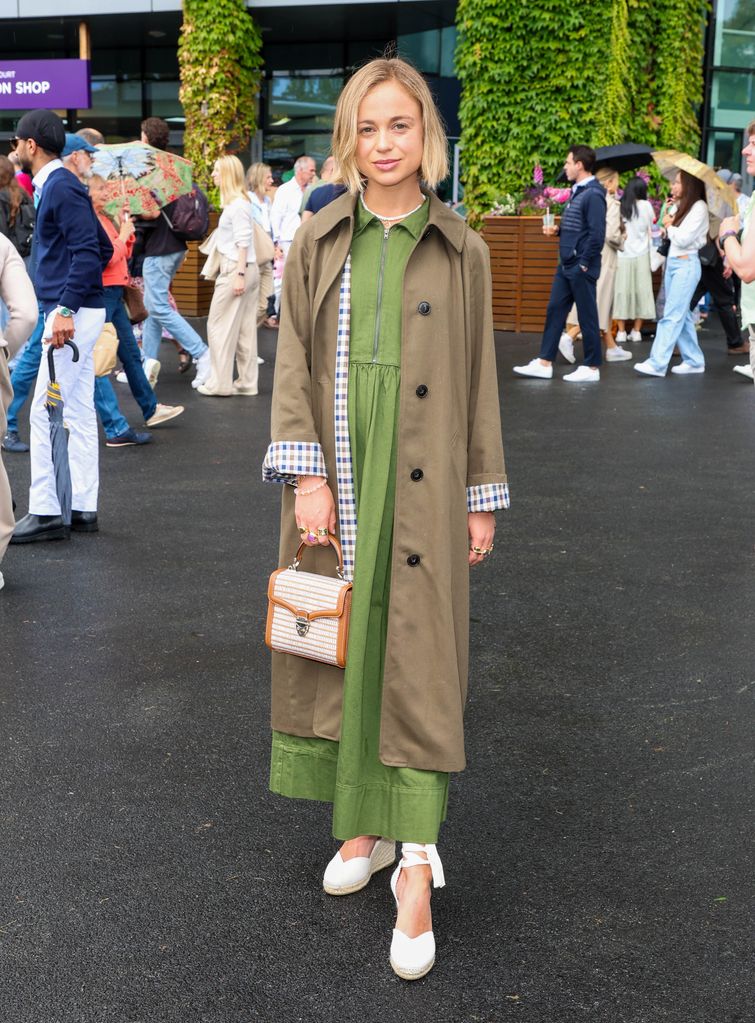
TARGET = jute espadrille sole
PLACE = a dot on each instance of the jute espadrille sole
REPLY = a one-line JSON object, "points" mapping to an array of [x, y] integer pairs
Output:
{"points": [[386, 857]]}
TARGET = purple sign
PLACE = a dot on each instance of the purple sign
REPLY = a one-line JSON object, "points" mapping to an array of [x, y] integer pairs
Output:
{"points": [[50, 84]]}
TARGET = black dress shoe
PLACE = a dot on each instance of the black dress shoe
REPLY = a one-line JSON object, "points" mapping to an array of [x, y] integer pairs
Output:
{"points": [[39, 527], [84, 522]]}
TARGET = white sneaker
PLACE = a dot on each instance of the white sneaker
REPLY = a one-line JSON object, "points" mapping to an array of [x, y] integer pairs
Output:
{"points": [[684, 368], [121, 377], [566, 347], [634, 336], [343, 877], [535, 368], [152, 371], [583, 375], [163, 413], [647, 369], [617, 355], [2, 581], [745, 370], [260, 361], [621, 337], [203, 369]]}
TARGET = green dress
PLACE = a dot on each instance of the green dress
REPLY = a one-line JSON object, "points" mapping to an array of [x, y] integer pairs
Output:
{"points": [[368, 797]]}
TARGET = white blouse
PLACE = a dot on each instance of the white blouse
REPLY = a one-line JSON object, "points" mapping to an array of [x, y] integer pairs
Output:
{"points": [[637, 241], [690, 236], [236, 230]]}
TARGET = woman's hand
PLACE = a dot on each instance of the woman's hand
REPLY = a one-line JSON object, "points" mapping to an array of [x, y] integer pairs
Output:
{"points": [[315, 511], [239, 284], [127, 228], [729, 224], [668, 220], [481, 526]]}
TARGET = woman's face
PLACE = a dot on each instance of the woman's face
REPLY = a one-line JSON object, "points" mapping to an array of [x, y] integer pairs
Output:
{"points": [[97, 193], [677, 188], [216, 176], [389, 135], [268, 180]]}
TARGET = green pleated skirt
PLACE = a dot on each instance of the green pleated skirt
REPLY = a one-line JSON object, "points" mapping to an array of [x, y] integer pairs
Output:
{"points": [[368, 798]]}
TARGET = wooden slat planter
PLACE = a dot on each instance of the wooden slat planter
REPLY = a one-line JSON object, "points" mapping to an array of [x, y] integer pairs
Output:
{"points": [[523, 261], [193, 293]]}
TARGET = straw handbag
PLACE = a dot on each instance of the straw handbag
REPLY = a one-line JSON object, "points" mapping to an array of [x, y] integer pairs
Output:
{"points": [[105, 351], [308, 615]]}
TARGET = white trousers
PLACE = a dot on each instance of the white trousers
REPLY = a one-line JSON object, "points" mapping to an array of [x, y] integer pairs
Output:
{"points": [[76, 381], [232, 331]]}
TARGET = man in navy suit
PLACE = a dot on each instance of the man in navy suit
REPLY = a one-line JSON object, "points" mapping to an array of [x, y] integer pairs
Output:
{"points": [[69, 255], [580, 237]]}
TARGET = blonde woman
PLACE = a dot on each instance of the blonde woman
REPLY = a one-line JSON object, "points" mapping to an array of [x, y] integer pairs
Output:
{"points": [[259, 178], [386, 305], [609, 179], [232, 322]]}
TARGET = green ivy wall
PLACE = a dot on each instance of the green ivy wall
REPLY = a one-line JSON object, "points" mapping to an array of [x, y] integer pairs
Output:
{"points": [[539, 77], [220, 61]]}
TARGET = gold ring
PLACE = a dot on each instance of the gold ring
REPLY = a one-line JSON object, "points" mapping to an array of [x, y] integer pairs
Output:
{"points": [[322, 532], [302, 529], [481, 550]]}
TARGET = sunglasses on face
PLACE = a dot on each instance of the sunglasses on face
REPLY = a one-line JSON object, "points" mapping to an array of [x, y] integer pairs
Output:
{"points": [[14, 144]]}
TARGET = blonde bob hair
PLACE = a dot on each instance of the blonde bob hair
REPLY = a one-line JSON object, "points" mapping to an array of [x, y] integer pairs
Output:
{"points": [[256, 177], [434, 165], [231, 184]]}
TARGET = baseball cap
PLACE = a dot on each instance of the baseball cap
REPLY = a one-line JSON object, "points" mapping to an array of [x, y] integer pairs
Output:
{"points": [[74, 143], [45, 127]]}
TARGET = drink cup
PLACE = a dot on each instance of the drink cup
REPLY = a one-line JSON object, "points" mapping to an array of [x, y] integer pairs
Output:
{"points": [[549, 220]]}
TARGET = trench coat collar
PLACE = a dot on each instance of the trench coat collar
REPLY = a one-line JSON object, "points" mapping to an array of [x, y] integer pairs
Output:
{"points": [[450, 224]]}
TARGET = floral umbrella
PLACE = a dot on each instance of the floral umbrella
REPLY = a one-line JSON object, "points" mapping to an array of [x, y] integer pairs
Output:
{"points": [[141, 178], [721, 197]]}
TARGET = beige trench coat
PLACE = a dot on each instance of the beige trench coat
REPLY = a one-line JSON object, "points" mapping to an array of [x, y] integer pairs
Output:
{"points": [[452, 432]]}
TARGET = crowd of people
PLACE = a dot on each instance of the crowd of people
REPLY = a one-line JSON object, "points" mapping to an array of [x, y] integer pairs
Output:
{"points": [[608, 248], [396, 447]]}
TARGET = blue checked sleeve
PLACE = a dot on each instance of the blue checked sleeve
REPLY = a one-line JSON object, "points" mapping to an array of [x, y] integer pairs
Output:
{"points": [[488, 497], [285, 460]]}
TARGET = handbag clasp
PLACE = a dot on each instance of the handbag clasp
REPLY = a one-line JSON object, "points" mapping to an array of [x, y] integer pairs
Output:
{"points": [[302, 626]]}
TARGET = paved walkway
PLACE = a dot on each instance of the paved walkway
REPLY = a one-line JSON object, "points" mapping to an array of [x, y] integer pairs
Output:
{"points": [[598, 851]]}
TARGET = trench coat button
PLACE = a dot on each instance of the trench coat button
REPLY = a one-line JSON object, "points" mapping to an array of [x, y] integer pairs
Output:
{"points": [[417, 475], [424, 308], [413, 560], [421, 391]]}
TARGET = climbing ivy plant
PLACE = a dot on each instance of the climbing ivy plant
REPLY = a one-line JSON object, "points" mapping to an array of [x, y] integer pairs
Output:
{"points": [[538, 77], [220, 62]]}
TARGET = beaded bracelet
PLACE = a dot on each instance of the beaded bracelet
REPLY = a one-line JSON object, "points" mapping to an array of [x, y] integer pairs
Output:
{"points": [[305, 493]]}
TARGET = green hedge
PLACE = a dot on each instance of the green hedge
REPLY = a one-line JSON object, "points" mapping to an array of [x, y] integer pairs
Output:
{"points": [[539, 77], [220, 62]]}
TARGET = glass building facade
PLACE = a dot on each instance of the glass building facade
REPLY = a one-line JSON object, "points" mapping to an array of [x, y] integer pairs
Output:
{"points": [[730, 84], [308, 53]]}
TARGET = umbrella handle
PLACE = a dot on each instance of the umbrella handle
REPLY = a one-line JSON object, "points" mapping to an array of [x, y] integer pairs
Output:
{"points": [[51, 360]]}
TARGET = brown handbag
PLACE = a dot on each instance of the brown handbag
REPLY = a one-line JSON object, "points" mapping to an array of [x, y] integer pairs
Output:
{"points": [[134, 301], [308, 615]]}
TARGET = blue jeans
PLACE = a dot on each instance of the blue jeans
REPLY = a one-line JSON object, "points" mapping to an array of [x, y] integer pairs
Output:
{"points": [[158, 273], [24, 376], [676, 326], [128, 351]]}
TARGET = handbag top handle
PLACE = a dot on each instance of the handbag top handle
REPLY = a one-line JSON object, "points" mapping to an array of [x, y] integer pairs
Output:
{"points": [[333, 543]]}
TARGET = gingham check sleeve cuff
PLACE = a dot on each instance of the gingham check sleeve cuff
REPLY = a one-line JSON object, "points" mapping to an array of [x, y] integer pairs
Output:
{"points": [[488, 497], [287, 459]]}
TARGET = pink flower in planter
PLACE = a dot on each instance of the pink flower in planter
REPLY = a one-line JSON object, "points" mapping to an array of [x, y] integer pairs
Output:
{"points": [[557, 194], [537, 175]]}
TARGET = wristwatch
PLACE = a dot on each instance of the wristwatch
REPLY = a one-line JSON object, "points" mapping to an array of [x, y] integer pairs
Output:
{"points": [[63, 310], [725, 235]]}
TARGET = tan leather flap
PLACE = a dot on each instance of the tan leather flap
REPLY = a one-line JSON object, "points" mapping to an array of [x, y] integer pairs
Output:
{"points": [[312, 614]]}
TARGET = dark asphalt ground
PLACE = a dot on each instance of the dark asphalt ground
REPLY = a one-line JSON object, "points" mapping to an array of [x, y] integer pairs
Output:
{"points": [[598, 852]]}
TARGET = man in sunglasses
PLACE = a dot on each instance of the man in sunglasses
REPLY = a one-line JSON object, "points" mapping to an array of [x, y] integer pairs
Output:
{"points": [[68, 259]]}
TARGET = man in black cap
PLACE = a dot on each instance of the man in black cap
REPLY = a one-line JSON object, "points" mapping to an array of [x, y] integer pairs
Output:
{"points": [[69, 257]]}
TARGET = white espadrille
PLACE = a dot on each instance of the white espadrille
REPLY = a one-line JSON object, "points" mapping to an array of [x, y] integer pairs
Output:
{"points": [[412, 958], [343, 877]]}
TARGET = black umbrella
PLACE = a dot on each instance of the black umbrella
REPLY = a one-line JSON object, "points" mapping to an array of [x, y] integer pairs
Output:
{"points": [[624, 157], [59, 438]]}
